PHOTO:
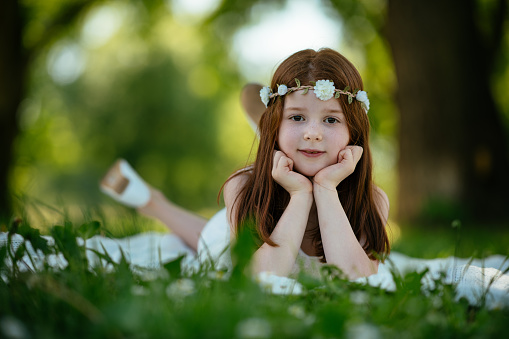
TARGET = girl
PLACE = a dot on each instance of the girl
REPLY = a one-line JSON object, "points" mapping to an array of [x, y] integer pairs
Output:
{"points": [[310, 189]]}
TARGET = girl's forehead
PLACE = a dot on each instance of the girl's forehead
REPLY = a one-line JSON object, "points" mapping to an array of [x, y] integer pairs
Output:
{"points": [[304, 101]]}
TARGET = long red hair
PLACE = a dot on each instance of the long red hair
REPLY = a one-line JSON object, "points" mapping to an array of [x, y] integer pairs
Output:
{"points": [[265, 200]]}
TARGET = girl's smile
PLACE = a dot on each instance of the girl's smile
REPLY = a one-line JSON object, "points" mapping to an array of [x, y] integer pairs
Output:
{"points": [[312, 132], [311, 153]]}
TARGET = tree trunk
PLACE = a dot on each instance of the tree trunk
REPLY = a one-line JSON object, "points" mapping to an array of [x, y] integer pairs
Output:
{"points": [[12, 85], [453, 149]]}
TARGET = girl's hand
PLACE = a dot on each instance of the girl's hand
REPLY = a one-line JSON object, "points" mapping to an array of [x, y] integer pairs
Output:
{"points": [[330, 176], [283, 174]]}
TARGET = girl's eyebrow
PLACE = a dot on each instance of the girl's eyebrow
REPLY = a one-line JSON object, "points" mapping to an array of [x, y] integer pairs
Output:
{"points": [[301, 109], [294, 109], [337, 111]]}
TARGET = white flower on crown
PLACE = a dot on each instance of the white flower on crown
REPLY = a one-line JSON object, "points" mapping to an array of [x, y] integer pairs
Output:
{"points": [[363, 98], [282, 89], [265, 95], [366, 105], [324, 89]]}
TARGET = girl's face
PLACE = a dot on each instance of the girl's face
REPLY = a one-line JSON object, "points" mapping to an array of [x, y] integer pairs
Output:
{"points": [[312, 132]]}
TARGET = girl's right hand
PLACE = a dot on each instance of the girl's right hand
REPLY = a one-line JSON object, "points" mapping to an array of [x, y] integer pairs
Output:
{"points": [[283, 174]]}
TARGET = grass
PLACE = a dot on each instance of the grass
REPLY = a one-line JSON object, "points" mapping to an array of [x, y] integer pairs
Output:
{"points": [[443, 240], [112, 300]]}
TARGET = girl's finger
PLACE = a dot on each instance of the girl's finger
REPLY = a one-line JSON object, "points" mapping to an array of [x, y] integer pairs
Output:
{"points": [[277, 157], [357, 153], [345, 154], [289, 163], [285, 162]]}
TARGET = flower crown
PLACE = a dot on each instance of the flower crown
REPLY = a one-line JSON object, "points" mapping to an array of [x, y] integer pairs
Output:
{"points": [[324, 90]]}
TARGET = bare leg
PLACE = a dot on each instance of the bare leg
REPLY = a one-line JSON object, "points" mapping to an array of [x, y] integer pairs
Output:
{"points": [[183, 223]]}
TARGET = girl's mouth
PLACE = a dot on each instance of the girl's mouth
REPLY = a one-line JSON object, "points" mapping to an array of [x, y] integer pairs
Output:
{"points": [[312, 153]]}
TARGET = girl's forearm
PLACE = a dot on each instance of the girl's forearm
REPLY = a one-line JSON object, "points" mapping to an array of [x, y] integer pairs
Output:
{"points": [[288, 235], [340, 244]]}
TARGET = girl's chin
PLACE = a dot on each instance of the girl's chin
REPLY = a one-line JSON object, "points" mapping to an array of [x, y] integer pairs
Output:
{"points": [[307, 172]]}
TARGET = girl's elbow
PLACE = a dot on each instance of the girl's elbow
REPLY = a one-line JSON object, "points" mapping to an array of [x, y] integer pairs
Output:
{"points": [[373, 268], [369, 270]]}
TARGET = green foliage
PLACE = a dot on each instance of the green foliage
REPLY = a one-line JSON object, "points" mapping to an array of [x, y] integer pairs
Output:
{"points": [[459, 239], [111, 299], [161, 100], [245, 246]]}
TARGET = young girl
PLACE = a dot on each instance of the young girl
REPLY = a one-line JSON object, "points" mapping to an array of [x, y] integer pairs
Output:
{"points": [[310, 189]]}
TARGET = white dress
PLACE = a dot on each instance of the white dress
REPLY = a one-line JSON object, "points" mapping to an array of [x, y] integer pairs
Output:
{"points": [[215, 240]]}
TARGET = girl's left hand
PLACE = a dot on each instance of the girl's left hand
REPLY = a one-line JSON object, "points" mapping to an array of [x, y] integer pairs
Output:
{"points": [[330, 176]]}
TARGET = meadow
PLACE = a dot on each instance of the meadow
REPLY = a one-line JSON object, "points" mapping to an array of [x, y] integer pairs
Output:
{"points": [[112, 299]]}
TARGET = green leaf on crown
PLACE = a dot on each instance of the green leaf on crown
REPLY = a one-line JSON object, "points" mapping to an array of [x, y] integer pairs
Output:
{"points": [[337, 95], [350, 99], [347, 88], [297, 81], [305, 90]]}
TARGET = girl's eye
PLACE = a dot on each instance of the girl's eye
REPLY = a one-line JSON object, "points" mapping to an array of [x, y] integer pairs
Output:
{"points": [[297, 118], [331, 120]]}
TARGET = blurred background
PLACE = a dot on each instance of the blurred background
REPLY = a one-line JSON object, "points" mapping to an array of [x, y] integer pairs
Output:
{"points": [[157, 82]]}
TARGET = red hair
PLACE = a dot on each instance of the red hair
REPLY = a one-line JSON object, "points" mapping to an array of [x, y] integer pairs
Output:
{"points": [[265, 200]]}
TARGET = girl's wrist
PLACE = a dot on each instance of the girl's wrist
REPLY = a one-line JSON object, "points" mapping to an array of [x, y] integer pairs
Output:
{"points": [[320, 188], [306, 195], [323, 186]]}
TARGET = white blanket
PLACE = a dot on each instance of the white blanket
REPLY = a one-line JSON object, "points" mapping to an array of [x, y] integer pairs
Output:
{"points": [[474, 279]]}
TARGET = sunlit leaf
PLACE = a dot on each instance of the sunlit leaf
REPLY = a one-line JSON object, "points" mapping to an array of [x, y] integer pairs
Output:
{"points": [[89, 229]]}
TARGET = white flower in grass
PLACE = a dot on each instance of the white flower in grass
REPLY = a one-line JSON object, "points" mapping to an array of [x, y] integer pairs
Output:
{"points": [[265, 95], [181, 288], [282, 89], [364, 331], [217, 275], [297, 311], [278, 285], [149, 275], [11, 327], [139, 290], [359, 297], [324, 89], [254, 328]]}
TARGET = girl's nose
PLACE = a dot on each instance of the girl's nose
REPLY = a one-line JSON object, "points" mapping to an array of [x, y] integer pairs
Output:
{"points": [[313, 133]]}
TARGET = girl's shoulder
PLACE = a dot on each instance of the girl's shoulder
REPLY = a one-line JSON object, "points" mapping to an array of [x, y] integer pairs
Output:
{"points": [[235, 183], [231, 191], [381, 202]]}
